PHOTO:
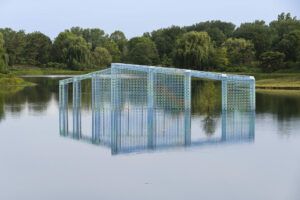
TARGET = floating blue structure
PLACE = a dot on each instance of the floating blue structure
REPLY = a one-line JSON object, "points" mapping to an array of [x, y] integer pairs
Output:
{"points": [[146, 107]]}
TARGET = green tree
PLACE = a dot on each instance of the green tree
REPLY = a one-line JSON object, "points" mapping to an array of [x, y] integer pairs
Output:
{"points": [[94, 36], [193, 50], [113, 49], [284, 24], [119, 38], [219, 58], [165, 41], [217, 30], [72, 50], [217, 36], [240, 51], [101, 57], [14, 45], [37, 49], [3, 56], [258, 33], [290, 45], [271, 60], [97, 38], [142, 50]]}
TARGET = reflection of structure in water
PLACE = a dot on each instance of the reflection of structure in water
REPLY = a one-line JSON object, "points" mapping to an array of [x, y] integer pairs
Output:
{"points": [[133, 134], [138, 107]]}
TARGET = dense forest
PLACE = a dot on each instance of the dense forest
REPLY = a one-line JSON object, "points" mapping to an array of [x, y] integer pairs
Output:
{"points": [[210, 45]]}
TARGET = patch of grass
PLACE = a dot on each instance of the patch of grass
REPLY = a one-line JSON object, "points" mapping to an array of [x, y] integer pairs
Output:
{"points": [[279, 92], [278, 81], [44, 71], [263, 80], [290, 81], [12, 81]]}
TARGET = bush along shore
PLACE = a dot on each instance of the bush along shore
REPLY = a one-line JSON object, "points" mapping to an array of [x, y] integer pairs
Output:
{"points": [[13, 81]]}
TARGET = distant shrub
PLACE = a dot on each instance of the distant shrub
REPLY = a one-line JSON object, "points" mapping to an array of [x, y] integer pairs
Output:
{"points": [[271, 60], [56, 65], [293, 66]]}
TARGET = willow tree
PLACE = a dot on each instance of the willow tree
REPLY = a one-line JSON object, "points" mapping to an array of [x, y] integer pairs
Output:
{"points": [[239, 51], [101, 57], [192, 50], [72, 50]]}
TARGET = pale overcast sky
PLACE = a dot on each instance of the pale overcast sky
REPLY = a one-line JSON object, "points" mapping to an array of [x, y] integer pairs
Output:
{"points": [[134, 17]]}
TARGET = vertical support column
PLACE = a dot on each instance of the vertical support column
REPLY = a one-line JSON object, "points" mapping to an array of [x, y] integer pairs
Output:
{"points": [[224, 92], [97, 100], [94, 109], [224, 125], [252, 125], [224, 106], [63, 109], [187, 107], [76, 108], [252, 108], [150, 110], [252, 93], [115, 111]]}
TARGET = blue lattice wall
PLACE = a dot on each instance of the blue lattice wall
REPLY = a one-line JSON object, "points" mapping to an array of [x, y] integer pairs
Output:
{"points": [[145, 107]]}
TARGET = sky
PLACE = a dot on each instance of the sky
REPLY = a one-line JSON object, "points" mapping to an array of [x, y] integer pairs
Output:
{"points": [[134, 17]]}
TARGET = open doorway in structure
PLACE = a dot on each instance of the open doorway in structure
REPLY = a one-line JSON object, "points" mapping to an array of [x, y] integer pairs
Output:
{"points": [[76, 110], [86, 109], [206, 111]]}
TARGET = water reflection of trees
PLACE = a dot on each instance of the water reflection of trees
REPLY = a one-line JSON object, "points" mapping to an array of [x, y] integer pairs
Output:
{"points": [[284, 106], [206, 101], [5, 92], [13, 99]]}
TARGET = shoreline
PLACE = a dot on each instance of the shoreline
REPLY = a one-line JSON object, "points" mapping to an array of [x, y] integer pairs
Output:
{"points": [[47, 76], [277, 88], [264, 81]]}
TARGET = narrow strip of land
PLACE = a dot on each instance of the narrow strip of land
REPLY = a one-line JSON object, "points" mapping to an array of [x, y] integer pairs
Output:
{"points": [[272, 81], [287, 81]]}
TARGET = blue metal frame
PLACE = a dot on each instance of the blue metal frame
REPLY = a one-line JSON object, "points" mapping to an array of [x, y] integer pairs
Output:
{"points": [[151, 93]]}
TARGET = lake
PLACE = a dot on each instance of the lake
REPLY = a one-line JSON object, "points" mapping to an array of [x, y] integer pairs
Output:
{"points": [[38, 162]]}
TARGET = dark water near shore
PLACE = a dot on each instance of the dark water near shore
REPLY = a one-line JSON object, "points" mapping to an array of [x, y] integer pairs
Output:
{"points": [[37, 163]]}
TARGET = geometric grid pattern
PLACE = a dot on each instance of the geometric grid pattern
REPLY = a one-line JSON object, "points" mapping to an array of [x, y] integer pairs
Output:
{"points": [[148, 107]]}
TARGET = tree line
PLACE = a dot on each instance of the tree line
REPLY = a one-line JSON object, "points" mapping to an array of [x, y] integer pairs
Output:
{"points": [[210, 45]]}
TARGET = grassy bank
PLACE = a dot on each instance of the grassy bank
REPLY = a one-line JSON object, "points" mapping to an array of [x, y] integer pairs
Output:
{"points": [[279, 92], [288, 81], [12, 84], [12, 80], [7, 81], [44, 71]]}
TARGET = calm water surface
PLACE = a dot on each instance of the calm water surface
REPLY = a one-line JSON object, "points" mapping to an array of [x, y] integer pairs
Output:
{"points": [[36, 162]]}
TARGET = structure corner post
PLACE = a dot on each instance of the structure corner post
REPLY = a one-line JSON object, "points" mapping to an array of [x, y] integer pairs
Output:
{"points": [[63, 109], [187, 107], [150, 110], [77, 108], [115, 111]]}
